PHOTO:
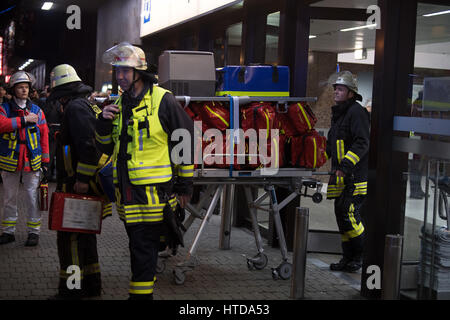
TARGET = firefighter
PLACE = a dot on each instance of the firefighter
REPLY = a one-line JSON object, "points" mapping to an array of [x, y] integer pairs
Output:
{"points": [[23, 152], [137, 131], [77, 161], [348, 146]]}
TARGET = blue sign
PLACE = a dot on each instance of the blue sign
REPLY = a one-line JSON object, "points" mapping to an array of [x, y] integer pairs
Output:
{"points": [[146, 14]]}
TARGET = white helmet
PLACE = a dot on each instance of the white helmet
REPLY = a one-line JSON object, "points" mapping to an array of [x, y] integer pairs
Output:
{"points": [[125, 55], [22, 77], [345, 78], [62, 74]]}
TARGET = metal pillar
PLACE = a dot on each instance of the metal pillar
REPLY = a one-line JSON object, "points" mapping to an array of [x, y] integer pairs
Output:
{"points": [[300, 252], [392, 267]]}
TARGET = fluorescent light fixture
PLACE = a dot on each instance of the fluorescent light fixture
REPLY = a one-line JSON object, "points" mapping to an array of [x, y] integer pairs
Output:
{"points": [[361, 27], [312, 36], [47, 6], [436, 13], [26, 64]]}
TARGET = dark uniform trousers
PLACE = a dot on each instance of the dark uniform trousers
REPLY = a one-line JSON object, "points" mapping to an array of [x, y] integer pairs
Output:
{"points": [[347, 209], [144, 244], [79, 249]]}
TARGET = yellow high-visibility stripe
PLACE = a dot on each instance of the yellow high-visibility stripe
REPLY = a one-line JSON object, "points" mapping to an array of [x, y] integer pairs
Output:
{"points": [[141, 287], [357, 228], [340, 150], [304, 115], [254, 93], [218, 116], [103, 139], [315, 151], [352, 157]]}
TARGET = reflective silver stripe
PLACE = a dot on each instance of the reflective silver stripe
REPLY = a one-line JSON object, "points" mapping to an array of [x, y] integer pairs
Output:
{"points": [[150, 167], [151, 178], [45, 155], [141, 141], [152, 189], [185, 170]]}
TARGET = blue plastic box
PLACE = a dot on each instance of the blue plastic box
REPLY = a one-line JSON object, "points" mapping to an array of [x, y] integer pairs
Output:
{"points": [[256, 81]]}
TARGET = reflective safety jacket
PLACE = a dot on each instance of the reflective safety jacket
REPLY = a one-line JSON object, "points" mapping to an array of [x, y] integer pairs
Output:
{"points": [[348, 148], [146, 157], [22, 146]]}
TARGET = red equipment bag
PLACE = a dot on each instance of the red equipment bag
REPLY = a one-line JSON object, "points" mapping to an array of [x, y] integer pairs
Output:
{"points": [[302, 117], [212, 114], [258, 116], [308, 151], [284, 124], [75, 213]]}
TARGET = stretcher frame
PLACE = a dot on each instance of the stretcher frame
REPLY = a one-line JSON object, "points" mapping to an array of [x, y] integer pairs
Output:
{"points": [[221, 182]]}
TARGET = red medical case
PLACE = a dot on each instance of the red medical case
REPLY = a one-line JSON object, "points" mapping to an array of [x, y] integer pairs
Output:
{"points": [[75, 213]]}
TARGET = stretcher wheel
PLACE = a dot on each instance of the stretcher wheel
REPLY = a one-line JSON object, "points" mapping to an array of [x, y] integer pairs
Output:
{"points": [[179, 277], [258, 262], [283, 271], [317, 197], [160, 265]]}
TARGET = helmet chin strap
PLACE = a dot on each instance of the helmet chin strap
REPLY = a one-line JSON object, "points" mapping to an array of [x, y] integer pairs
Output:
{"points": [[131, 88]]}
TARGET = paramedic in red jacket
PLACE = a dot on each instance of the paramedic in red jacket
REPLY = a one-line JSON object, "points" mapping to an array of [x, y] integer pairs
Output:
{"points": [[23, 152]]}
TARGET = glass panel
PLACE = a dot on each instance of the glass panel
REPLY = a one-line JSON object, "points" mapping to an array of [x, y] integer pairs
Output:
{"points": [[234, 43], [429, 100], [272, 36]]}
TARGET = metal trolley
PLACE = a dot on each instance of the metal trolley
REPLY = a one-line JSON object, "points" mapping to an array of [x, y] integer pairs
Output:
{"points": [[222, 182]]}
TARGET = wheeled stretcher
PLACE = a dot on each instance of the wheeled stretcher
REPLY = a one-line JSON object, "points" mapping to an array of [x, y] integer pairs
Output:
{"points": [[218, 180], [220, 183]]}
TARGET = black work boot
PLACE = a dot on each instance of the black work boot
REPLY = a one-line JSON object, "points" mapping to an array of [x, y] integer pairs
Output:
{"points": [[340, 266], [33, 240], [7, 238], [353, 266]]}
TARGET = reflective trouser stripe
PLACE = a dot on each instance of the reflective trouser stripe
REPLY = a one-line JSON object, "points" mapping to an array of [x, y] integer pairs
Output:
{"points": [[107, 210], [141, 287], [91, 269], [358, 228]]}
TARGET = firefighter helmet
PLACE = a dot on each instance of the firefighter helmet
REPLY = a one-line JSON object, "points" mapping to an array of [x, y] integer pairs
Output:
{"points": [[63, 74], [125, 55], [22, 77], [345, 78]]}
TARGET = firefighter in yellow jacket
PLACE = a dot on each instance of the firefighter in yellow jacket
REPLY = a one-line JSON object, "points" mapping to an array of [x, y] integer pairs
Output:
{"points": [[137, 131]]}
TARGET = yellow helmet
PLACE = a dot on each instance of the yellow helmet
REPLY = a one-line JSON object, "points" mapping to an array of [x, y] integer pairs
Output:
{"points": [[63, 74], [125, 55], [20, 77]]}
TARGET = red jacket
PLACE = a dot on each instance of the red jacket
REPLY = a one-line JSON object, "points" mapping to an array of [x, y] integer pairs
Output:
{"points": [[18, 123]]}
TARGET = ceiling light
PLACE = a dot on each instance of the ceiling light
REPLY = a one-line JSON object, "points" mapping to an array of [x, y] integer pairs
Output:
{"points": [[312, 36], [360, 27], [436, 13], [47, 6]]}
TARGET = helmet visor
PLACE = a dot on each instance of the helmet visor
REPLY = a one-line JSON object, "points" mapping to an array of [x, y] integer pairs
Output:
{"points": [[125, 55]]}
